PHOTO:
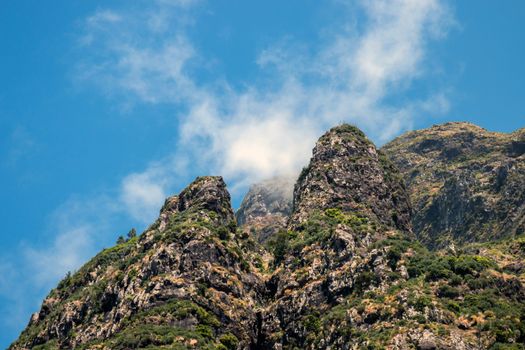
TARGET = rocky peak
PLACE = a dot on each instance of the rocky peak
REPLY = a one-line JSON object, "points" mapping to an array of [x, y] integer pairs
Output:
{"points": [[186, 282], [206, 193], [266, 207], [344, 275], [347, 172]]}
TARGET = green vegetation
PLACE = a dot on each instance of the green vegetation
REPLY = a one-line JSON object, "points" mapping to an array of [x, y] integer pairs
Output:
{"points": [[349, 129], [318, 229], [179, 324]]}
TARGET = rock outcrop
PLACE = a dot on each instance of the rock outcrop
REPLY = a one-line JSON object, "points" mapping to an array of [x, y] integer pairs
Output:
{"points": [[188, 281], [346, 273], [465, 183], [266, 207], [348, 172]]}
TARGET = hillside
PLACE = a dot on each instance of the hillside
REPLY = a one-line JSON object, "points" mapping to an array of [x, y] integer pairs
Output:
{"points": [[343, 270], [465, 183]]}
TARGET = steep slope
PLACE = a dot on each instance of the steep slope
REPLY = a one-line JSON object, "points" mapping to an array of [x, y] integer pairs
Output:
{"points": [[350, 276], [187, 282], [465, 183], [347, 273], [266, 207], [347, 202]]}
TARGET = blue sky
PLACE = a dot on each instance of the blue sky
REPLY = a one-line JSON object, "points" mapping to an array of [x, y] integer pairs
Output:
{"points": [[107, 107]]}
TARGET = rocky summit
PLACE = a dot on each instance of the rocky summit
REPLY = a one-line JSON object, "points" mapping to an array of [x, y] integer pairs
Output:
{"points": [[359, 257], [266, 207]]}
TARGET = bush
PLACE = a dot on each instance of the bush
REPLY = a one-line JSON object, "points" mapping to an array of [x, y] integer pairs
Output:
{"points": [[229, 340], [437, 270], [312, 323], [470, 265], [446, 291], [422, 302], [393, 256], [364, 280], [224, 233], [279, 246]]}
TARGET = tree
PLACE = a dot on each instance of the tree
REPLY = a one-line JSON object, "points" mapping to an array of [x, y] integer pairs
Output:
{"points": [[120, 240], [132, 233]]}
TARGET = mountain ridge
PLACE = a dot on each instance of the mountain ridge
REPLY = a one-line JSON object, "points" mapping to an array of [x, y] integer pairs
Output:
{"points": [[344, 272], [464, 182]]}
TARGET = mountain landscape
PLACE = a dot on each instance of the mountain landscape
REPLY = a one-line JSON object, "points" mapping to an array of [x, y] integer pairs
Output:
{"points": [[417, 245]]}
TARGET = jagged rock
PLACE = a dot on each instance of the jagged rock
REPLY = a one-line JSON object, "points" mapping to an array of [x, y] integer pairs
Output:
{"points": [[266, 207], [348, 198], [346, 273], [190, 262], [465, 183], [348, 172]]}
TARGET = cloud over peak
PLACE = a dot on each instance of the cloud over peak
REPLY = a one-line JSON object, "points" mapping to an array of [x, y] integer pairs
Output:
{"points": [[261, 131]]}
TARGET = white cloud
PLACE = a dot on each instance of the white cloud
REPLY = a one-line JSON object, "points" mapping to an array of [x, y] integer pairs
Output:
{"points": [[142, 193], [21, 146], [68, 251], [259, 132], [250, 134]]}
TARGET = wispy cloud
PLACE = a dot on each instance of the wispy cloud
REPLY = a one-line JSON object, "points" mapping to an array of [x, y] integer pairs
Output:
{"points": [[26, 276], [142, 193], [257, 132], [21, 144]]}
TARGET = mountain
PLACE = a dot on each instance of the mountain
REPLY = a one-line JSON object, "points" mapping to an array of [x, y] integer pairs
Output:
{"points": [[343, 271], [187, 281], [465, 183], [266, 207]]}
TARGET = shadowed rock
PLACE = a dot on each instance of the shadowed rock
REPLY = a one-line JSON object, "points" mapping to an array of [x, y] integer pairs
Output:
{"points": [[465, 183]]}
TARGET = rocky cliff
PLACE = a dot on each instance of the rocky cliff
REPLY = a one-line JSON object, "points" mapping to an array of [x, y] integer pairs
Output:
{"points": [[187, 282], [346, 272], [465, 183], [266, 207]]}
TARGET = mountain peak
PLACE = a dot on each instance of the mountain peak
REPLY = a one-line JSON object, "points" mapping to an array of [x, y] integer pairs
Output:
{"points": [[465, 182], [345, 272], [347, 172], [206, 193]]}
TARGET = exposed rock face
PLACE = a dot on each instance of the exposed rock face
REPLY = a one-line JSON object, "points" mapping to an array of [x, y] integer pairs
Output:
{"points": [[266, 207], [348, 199], [466, 183], [347, 172], [186, 282], [346, 274]]}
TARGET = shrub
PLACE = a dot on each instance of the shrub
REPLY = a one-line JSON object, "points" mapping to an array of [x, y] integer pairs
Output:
{"points": [[224, 233], [229, 340], [312, 323], [422, 302], [279, 245], [365, 280], [467, 264], [132, 233], [446, 291]]}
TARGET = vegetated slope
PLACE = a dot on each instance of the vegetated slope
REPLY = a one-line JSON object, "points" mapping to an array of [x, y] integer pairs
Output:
{"points": [[465, 183], [187, 282], [347, 273]]}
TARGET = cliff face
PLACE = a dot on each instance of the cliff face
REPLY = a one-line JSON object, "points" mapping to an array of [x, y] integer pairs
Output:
{"points": [[347, 172], [465, 183], [266, 207], [346, 272], [188, 281]]}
